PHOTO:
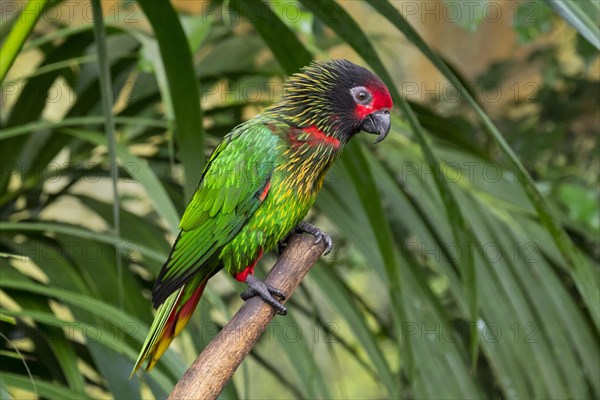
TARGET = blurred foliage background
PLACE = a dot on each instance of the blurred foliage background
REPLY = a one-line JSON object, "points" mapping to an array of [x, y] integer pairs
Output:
{"points": [[458, 270]]}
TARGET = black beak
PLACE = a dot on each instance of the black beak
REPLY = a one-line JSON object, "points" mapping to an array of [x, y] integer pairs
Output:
{"points": [[377, 123]]}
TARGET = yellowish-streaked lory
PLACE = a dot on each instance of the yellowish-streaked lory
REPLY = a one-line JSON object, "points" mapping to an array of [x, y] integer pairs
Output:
{"points": [[258, 185]]}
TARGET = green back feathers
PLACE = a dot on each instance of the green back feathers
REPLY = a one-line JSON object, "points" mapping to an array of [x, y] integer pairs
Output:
{"points": [[227, 196]]}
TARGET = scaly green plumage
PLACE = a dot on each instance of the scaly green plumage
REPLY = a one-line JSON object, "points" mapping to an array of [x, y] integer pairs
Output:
{"points": [[258, 185]]}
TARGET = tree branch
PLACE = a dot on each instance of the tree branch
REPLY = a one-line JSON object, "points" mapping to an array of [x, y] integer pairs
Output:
{"points": [[214, 367]]}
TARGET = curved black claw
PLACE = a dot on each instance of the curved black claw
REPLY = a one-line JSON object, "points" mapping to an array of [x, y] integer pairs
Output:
{"points": [[318, 234], [282, 244], [257, 287]]}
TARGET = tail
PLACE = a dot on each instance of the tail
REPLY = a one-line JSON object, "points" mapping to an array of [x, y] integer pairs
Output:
{"points": [[171, 316]]}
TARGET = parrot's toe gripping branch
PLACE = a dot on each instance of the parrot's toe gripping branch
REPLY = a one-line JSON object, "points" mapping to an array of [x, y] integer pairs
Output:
{"points": [[257, 287], [317, 233]]}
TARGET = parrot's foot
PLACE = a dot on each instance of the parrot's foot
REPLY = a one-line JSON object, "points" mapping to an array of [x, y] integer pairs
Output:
{"points": [[257, 287], [317, 233]]}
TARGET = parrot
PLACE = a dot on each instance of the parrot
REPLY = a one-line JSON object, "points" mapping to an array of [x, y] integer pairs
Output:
{"points": [[257, 187]]}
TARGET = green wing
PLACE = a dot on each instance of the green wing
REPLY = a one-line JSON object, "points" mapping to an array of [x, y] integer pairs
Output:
{"points": [[237, 174]]}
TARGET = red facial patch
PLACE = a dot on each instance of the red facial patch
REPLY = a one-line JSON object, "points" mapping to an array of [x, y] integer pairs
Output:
{"points": [[381, 99], [315, 137], [241, 276]]}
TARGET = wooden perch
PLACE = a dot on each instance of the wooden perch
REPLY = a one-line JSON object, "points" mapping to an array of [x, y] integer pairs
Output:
{"points": [[214, 367]]}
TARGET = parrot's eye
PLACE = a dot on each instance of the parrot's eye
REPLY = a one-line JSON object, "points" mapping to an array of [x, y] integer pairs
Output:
{"points": [[361, 95]]}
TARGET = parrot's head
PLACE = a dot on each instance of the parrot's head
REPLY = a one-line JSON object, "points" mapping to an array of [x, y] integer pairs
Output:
{"points": [[339, 98]]}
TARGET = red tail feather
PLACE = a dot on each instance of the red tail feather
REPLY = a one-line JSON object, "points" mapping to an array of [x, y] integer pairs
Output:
{"points": [[178, 318]]}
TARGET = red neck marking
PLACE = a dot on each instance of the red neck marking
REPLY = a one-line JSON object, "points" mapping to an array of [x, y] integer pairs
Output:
{"points": [[265, 191], [315, 137]]}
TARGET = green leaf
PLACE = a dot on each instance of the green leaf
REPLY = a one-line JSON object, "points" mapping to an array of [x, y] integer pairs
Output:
{"points": [[44, 389], [29, 108], [75, 121], [142, 173], [343, 302], [584, 15], [183, 85], [18, 34], [109, 128], [587, 280], [301, 358], [104, 311], [82, 233], [97, 336], [287, 49]]}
